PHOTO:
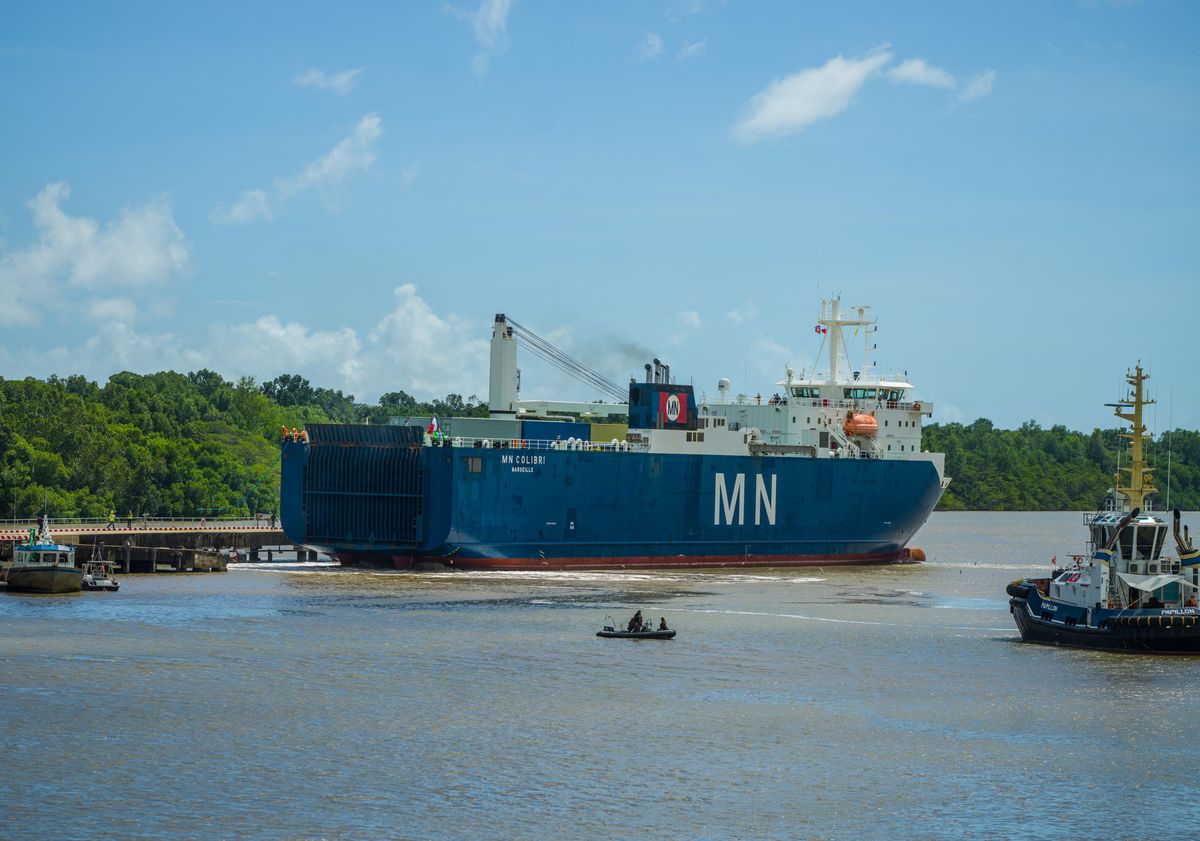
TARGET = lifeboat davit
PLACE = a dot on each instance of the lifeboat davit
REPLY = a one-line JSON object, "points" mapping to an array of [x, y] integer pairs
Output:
{"points": [[858, 425]]}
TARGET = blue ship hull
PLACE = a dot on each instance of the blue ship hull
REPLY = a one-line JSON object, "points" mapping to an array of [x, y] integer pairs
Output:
{"points": [[375, 495]]}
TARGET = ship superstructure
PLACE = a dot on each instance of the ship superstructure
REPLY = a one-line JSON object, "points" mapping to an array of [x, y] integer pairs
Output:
{"points": [[829, 470]]}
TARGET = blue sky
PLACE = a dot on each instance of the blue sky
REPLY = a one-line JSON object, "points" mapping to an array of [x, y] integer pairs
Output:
{"points": [[351, 192]]}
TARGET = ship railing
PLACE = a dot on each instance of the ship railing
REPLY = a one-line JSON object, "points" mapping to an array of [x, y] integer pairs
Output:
{"points": [[570, 444], [867, 404]]}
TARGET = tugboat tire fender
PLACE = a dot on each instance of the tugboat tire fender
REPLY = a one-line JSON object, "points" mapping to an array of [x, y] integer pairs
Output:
{"points": [[1017, 590]]}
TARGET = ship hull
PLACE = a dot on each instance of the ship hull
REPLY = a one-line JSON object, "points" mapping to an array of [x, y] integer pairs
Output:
{"points": [[367, 495], [50, 579]]}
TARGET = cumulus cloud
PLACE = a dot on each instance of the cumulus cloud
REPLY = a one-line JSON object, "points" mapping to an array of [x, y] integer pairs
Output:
{"points": [[792, 103], [142, 247], [410, 347], [435, 354], [268, 344], [917, 71], [354, 154], [689, 319], [489, 23], [693, 49], [340, 83], [650, 47], [979, 86]]}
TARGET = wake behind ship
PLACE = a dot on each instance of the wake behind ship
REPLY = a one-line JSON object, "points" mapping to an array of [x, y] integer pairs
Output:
{"points": [[829, 470]]}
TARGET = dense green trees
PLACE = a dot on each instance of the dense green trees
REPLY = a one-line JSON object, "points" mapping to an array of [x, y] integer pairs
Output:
{"points": [[165, 444], [196, 444], [1035, 469]]}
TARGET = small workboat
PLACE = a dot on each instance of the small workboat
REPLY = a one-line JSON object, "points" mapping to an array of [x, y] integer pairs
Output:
{"points": [[610, 631], [95, 577]]}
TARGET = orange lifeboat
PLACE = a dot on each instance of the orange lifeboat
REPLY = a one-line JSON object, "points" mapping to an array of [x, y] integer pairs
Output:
{"points": [[858, 425]]}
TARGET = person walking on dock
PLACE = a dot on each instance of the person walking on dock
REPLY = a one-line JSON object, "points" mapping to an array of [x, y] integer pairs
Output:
{"points": [[129, 520], [112, 520]]}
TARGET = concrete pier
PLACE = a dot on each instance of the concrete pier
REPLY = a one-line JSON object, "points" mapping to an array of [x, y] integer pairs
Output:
{"points": [[148, 559]]}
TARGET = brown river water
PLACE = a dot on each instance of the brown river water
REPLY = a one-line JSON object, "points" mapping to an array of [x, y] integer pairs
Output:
{"points": [[297, 701]]}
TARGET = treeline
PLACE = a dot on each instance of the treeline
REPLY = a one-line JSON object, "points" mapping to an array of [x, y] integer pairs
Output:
{"points": [[1056, 469], [166, 444]]}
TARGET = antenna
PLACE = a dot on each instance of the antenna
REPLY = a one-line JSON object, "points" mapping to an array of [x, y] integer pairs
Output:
{"points": [[1170, 425]]}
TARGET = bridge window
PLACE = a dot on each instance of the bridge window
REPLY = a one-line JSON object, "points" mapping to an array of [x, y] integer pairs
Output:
{"points": [[859, 393]]}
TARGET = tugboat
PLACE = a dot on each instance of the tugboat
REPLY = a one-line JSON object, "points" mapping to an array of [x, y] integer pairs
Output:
{"points": [[43, 566], [1125, 594]]}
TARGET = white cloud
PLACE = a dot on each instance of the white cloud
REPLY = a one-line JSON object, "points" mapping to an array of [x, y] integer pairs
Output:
{"points": [[409, 174], [142, 247], [354, 154], [917, 71], [411, 348], [250, 205], [792, 103], [489, 23], [746, 312], [413, 345], [695, 49], [110, 310], [979, 86], [650, 47], [267, 344], [689, 319], [340, 83], [678, 11]]}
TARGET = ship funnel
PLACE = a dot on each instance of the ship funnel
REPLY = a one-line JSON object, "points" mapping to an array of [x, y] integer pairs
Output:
{"points": [[649, 371], [504, 379]]}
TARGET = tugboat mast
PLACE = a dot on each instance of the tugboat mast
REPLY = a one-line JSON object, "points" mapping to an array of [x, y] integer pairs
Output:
{"points": [[1141, 483]]}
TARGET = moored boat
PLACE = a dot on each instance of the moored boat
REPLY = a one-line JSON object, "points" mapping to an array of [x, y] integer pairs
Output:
{"points": [[43, 566], [96, 577], [1125, 593]]}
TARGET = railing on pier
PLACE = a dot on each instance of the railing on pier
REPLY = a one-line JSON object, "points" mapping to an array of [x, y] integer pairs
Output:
{"points": [[135, 524]]}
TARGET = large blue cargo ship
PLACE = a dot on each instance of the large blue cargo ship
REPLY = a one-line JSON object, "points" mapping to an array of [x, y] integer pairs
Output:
{"points": [[827, 470]]}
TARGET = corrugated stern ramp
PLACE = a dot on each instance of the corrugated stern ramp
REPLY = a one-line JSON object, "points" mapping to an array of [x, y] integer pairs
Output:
{"points": [[364, 484]]}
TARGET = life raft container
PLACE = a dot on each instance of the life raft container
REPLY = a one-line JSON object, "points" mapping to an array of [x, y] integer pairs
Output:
{"points": [[859, 425]]}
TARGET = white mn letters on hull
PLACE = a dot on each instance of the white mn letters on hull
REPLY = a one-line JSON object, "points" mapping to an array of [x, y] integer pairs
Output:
{"points": [[726, 501]]}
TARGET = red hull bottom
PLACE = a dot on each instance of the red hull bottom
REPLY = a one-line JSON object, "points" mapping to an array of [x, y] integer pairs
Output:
{"points": [[905, 556]]}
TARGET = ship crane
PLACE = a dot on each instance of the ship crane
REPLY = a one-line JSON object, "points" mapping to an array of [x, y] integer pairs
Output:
{"points": [[505, 378]]}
